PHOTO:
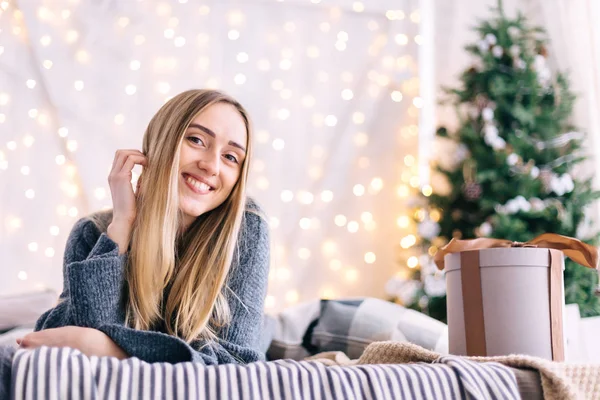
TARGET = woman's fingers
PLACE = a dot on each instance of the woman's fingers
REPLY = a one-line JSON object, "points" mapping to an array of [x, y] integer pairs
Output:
{"points": [[131, 161], [121, 157]]}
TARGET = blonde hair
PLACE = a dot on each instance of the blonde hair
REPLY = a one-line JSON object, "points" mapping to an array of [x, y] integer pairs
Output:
{"points": [[195, 263]]}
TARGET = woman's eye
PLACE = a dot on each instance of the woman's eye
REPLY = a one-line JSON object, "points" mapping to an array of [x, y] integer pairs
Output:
{"points": [[231, 158], [195, 140]]}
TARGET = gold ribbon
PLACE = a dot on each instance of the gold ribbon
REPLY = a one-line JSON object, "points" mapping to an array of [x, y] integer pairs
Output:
{"points": [[582, 253]]}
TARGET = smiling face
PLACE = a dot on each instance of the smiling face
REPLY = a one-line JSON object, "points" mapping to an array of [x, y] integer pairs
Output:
{"points": [[211, 156]]}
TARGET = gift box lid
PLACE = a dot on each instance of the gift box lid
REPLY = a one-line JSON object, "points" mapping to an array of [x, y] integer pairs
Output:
{"points": [[504, 257]]}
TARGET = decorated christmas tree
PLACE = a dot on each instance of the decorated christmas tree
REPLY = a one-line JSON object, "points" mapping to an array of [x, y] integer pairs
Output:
{"points": [[512, 167]]}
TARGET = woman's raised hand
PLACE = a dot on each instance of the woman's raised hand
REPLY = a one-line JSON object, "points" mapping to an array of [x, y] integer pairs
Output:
{"points": [[123, 197]]}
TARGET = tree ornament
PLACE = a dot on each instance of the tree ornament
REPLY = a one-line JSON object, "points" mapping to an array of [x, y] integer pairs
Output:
{"points": [[513, 31], [497, 51], [471, 189], [546, 178], [487, 114]]}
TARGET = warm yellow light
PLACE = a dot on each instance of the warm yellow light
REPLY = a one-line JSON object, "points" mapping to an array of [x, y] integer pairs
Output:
{"points": [[331, 120], [305, 197], [278, 144], [340, 220], [353, 226], [270, 302], [335, 265], [361, 139], [408, 241], [235, 18], [72, 145], [287, 196], [329, 248], [358, 118], [351, 275], [370, 226], [308, 101], [419, 214], [358, 6], [312, 52], [326, 196], [415, 181], [239, 79], [366, 217], [435, 215], [358, 190], [233, 35], [401, 39], [304, 223], [28, 140], [403, 221], [412, 262], [403, 191], [82, 56], [427, 190], [432, 250], [283, 274], [292, 296], [377, 184], [45, 40], [370, 258]]}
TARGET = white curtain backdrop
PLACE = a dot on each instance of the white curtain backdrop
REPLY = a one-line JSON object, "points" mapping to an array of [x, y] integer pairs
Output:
{"points": [[332, 87]]}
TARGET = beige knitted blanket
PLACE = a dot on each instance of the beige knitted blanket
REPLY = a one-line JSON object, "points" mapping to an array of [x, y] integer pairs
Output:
{"points": [[560, 381]]}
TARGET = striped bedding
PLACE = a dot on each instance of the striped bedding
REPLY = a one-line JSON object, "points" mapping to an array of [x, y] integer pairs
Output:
{"points": [[53, 373]]}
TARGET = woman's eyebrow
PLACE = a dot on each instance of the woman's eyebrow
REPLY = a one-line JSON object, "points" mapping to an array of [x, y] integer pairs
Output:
{"points": [[211, 133]]}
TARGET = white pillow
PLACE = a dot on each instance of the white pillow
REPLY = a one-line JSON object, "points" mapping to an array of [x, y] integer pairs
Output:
{"points": [[25, 309]]}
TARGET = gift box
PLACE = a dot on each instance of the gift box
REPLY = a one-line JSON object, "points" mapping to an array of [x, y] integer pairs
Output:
{"points": [[506, 297]]}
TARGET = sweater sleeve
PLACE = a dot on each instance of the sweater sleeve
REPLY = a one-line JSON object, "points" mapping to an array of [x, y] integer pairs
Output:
{"points": [[239, 342], [93, 281]]}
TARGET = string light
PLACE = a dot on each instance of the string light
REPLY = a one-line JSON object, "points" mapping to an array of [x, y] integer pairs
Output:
{"points": [[353, 226], [340, 220]]}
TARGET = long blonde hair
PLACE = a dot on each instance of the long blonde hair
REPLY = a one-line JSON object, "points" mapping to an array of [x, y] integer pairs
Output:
{"points": [[196, 263]]}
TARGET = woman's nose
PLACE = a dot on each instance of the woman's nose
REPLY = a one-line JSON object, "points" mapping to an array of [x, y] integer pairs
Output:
{"points": [[210, 163]]}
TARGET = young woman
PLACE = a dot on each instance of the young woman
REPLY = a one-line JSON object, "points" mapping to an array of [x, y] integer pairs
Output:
{"points": [[176, 271]]}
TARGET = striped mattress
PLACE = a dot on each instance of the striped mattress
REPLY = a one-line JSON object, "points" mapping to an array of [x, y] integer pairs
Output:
{"points": [[53, 373]]}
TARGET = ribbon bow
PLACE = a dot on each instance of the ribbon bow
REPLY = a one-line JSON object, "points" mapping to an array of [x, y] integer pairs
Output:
{"points": [[582, 253]]}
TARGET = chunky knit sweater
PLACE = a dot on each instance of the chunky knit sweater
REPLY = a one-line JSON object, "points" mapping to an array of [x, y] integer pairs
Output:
{"points": [[93, 297]]}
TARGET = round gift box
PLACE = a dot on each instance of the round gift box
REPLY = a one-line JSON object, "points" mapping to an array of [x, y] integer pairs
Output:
{"points": [[515, 297]]}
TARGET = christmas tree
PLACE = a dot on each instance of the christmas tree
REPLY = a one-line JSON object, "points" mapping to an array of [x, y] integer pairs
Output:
{"points": [[509, 169]]}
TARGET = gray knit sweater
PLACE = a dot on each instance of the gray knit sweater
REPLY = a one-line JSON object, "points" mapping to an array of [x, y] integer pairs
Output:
{"points": [[92, 297]]}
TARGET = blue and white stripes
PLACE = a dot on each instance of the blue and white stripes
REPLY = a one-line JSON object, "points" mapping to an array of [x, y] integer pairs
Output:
{"points": [[53, 373]]}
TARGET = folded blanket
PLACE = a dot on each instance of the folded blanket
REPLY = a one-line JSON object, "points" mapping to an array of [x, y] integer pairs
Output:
{"points": [[560, 381]]}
